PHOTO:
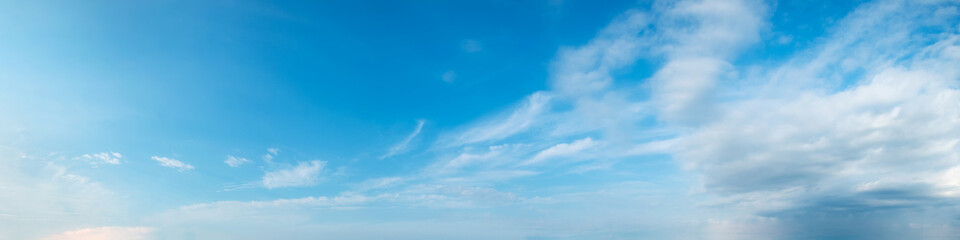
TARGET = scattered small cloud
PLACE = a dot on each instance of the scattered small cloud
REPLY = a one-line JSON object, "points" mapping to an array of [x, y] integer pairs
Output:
{"points": [[271, 153], [172, 163], [449, 76], [236, 161], [304, 174], [471, 46], [112, 158]]}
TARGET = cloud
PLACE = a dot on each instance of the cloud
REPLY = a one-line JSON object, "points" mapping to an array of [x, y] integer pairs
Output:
{"points": [[347, 214], [236, 161], [419, 195], [890, 131], [562, 150], [401, 147], [862, 121], [304, 202], [504, 126], [271, 153], [38, 189], [697, 54], [448, 76], [101, 158], [588, 69], [172, 163], [378, 183], [304, 174], [106, 233], [487, 177], [471, 46], [485, 158]]}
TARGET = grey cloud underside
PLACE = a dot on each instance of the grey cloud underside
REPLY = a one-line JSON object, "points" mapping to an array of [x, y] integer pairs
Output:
{"points": [[883, 143]]}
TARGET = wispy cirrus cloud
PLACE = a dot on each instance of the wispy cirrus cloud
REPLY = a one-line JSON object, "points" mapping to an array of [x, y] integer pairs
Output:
{"points": [[302, 175], [172, 163], [562, 150], [403, 145], [504, 125]]}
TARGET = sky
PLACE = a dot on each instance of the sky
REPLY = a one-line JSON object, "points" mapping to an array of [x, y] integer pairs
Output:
{"points": [[552, 119]]}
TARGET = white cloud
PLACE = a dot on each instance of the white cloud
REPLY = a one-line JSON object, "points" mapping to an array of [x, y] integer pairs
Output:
{"points": [[797, 145], [587, 69], [506, 125], [471, 46], [39, 189], [102, 158], [321, 201], [449, 76], [271, 153], [486, 177], [401, 147], [304, 174], [783, 139], [685, 87], [236, 161], [378, 183], [106, 233], [172, 163], [492, 156], [562, 150]]}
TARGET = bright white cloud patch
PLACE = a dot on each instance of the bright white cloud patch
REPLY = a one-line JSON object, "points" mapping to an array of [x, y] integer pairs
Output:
{"points": [[562, 150], [172, 163], [102, 158], [106, 233], [236, 161], [304, 174]]}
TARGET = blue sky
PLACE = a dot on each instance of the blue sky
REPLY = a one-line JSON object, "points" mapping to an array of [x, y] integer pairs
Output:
{"points": [[556, 119]]}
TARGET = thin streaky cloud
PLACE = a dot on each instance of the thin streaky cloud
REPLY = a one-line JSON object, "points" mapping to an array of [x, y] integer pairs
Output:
{"points": [[404, 144], [172, 163]]}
